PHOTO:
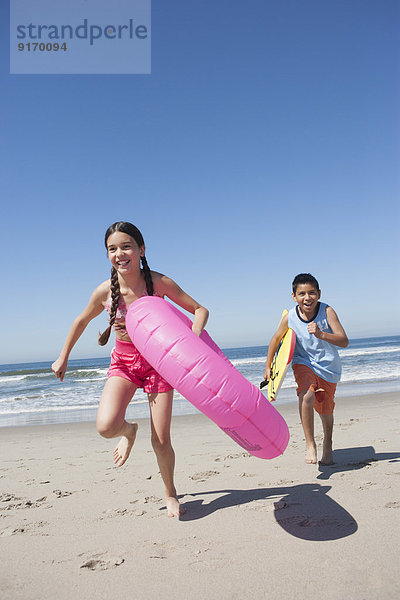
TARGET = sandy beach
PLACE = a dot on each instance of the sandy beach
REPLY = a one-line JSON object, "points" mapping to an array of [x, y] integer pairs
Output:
{"points": [[75, 526]]}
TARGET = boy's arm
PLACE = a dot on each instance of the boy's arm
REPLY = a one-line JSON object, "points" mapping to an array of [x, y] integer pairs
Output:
{"points": [[274, 343], [338, 337]]}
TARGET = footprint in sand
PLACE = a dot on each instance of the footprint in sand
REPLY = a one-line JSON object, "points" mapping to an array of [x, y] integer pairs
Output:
{"points": [[159, 555], [121, 512], [230, 456], [8, 531], [366, 485], [203, 475], [8, 497], [160, 550], [116, 512], [392, 505], [101, 562], [11, 501], [26, 528], [61, 494], [282, 482], [348, 423], [148, 499]]}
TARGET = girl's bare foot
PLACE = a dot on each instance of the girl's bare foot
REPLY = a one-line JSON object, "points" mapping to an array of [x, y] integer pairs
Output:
{"points": [[123, 450], [174, 509], [311, 454]]}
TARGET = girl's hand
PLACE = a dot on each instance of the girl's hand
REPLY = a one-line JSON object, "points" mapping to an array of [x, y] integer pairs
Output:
{"points": [[314, 329], [196, 330], [59, 367], [267, 374], [119, 326]]}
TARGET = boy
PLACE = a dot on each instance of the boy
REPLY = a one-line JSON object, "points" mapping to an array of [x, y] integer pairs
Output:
{"points": [[316, 363]]}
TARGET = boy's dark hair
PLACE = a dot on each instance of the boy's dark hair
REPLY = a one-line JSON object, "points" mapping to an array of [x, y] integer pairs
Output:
{"points": [[304, 278]]}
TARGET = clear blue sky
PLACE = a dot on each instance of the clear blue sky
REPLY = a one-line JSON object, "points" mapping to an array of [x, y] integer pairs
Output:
{"points": [[264, 143]]}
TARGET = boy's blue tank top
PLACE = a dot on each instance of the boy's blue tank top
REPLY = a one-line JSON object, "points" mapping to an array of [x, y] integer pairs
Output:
{"points": [[321, 356]]}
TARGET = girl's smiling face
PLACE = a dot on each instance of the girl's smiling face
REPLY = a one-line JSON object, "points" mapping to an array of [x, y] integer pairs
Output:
{"points": [[124, 253]]}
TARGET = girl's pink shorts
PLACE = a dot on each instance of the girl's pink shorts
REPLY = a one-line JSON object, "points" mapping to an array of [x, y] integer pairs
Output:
{"points": [[128, 363]]}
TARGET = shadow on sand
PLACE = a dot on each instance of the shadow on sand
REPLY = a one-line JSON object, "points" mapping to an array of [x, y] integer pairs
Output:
{"points": [[352, 459], [304, 511]]}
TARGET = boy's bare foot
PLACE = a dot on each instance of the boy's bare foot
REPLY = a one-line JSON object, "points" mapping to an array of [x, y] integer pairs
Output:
{"points": [[311, 454], [174, 509], [327, 455], [123, 450]]}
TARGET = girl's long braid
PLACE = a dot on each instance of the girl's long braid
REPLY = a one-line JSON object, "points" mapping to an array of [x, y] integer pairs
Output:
{"points": [[147, 276], [115, 294]]}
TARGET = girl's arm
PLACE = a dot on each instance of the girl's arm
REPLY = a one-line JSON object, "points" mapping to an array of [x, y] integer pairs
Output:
{"points": [[93, 309], [338, 337], [274, 343], [165, 286]]}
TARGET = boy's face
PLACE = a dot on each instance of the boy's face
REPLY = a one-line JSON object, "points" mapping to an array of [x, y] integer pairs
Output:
{"points": [[307, 297]]}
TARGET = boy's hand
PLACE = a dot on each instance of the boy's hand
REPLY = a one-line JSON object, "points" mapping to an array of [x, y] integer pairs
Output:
{"points": [[314, 329], [267, 374]]}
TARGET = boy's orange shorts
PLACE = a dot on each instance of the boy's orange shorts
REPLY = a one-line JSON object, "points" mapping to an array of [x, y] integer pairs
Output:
{"points": [[306, 380]]}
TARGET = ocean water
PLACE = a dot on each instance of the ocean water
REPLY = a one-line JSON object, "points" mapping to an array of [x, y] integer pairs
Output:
{"points": [[31, 394]]}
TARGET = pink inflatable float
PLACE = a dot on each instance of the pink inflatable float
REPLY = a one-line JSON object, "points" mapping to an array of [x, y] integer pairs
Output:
{"points": [[198, 370]]}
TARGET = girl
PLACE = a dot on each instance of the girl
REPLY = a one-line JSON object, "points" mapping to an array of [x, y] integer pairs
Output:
{"points": [[128, 369]]}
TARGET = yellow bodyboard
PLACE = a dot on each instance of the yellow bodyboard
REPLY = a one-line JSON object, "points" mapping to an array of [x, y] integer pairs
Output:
{"points": [[281, 362]]}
